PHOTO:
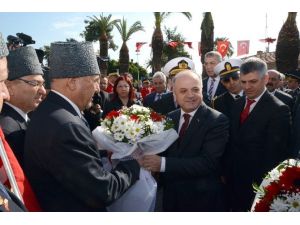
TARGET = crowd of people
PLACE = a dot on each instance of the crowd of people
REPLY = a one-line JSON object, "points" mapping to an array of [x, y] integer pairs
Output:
{"points": [[234, 126]]}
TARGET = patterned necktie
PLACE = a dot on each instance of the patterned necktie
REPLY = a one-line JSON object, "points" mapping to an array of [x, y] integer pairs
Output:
{"points": [[185, 124], [211, 88], [245, 112], [158, 97]]}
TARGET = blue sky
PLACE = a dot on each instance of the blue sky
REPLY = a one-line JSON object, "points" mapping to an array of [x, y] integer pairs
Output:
{"points": [[243, 25]]}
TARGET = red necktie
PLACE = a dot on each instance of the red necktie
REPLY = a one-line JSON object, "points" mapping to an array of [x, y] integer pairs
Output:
{"points": [[185, 124], [245, 112]]}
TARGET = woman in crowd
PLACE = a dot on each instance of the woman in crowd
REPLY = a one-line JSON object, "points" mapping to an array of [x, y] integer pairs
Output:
{"points": [[123, 95]]}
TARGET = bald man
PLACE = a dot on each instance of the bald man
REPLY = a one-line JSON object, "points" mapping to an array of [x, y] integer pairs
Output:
{"points": [[190, 167]]}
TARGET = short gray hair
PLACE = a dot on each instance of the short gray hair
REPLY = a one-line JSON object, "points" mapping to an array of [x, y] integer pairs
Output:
{"points": [[160, 75], [214, 54], [254, 64]]}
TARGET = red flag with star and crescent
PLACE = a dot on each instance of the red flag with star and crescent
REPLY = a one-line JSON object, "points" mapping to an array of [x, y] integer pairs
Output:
{"points": [[222, 47], [243, 47], [138, 45]]}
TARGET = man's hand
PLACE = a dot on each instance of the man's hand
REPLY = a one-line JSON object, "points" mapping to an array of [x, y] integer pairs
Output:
{"points": [[151, 162]]}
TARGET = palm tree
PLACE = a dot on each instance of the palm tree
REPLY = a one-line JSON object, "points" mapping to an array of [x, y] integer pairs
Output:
{"points": [[207, 37], [125, 35], [157, 38], [287, 48], [99, 29]]}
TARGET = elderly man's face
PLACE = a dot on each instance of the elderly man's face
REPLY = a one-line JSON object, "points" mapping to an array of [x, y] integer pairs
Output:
{"points": [[86, 88], [159, 84], [188, 91], [27, 92], [274, 81], [209, 65], [4, 95]]}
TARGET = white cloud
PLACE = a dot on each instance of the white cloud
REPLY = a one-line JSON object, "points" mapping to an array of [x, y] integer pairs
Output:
{"points": [[69, 23]]}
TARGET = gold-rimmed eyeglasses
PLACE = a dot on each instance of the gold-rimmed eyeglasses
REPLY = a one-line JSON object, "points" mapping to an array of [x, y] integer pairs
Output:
{"points": [[33, 83]]}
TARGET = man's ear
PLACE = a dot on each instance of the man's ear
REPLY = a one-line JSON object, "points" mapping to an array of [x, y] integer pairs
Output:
{"points": [[9, 86], [72, 83], [266, 78]]}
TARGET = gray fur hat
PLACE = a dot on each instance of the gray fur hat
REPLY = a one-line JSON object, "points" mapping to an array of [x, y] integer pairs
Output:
{"points": [[72, 59], [3, 47], [23, 62]]}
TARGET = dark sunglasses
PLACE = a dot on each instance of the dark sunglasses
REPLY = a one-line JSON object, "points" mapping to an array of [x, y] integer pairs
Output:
{"points": [[233, 76]]}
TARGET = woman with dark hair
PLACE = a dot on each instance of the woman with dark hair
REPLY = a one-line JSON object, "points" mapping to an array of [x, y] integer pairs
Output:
{"points": [[123, 95]]}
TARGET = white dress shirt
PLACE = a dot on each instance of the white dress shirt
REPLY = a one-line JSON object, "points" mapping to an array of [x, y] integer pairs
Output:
{"points": [[256, 101], [216, 83]]}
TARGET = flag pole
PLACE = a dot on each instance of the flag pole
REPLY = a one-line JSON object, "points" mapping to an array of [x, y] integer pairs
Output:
{"points": [[9, 172], [137, 59]]}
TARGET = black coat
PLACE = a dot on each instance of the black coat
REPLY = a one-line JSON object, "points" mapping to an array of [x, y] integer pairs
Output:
{"points": [[256, 146], [165, 105], [63, 164], [220, 90], [224, 103], [191, 181], [14, 128], [285, 98]]}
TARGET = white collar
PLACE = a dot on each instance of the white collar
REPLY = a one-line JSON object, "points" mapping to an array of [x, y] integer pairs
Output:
{"points": [[240, 94], [71, 103], [18, 110], [257, 98], [191, 113]]}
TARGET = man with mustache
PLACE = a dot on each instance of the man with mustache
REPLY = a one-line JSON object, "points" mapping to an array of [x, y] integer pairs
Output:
{"points": [[273, 86], [25, 85]]}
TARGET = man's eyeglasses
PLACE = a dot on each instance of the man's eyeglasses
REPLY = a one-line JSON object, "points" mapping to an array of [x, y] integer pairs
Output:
{"points": [[233, 76], [33, 83]]}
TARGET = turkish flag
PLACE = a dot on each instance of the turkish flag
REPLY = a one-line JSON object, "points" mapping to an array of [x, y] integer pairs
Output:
{"points": [[188, 43], [222, 47], [138, 46], [173, 44], [243, 47]]}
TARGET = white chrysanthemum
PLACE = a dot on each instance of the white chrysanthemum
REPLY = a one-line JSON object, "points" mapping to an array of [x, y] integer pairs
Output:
{"points": [[274, 175], [294, 202], [121, 122], [139, 109], [157, 127], [119, 136], [279, 205]]}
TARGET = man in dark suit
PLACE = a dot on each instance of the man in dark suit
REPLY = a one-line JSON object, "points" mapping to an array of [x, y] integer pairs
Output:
{"points": [[159, 82], [229, 72], [273, 86], [260, 128], [167, 103], [190, 167], [212, 87], [61, 157], [25, 85]]}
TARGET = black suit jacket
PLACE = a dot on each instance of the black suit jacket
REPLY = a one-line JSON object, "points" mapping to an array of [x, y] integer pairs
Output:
{"points": [[223, 103], [257, 145], [149, 100], [191, 180], [285, 98], [14, 128], [165, 105], [220, 90], [63, 164]]}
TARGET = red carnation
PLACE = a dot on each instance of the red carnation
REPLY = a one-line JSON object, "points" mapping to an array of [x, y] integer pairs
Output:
{"points": [[134, 117], [262, 206], [272, 190], [112, 114], [156, 117], [289, 178]]}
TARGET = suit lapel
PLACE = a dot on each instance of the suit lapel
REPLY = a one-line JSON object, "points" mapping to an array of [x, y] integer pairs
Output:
{"points": [[9, 111], [240, 103], [197, 120]]}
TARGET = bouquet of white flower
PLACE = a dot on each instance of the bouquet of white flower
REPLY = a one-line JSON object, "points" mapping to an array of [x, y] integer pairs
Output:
{"points": [[280, 190], [134, 132]]}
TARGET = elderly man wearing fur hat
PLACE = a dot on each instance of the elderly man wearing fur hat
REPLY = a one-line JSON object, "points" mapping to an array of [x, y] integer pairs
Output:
{"points": [[61, 157], [25, 86]]}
